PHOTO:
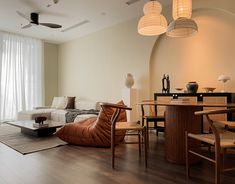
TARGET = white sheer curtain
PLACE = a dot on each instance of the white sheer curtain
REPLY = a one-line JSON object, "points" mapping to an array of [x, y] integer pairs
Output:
{"points": [[21, 74]]}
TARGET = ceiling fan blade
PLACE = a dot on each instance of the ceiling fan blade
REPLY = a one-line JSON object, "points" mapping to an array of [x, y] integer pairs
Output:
{"points": [[26, 26], [55, 1], [23, 16], [51, 25]]}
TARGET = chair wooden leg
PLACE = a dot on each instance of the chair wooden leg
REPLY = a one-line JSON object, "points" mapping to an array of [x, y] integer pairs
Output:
{"points": [[113, 146], [139, 139], [142, 122], [145, 146], [217, 165], [224, 151], [186, 155], [155, 127], [147, 133]]}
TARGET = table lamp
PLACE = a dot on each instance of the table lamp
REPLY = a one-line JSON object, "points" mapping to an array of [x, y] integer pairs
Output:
{"points": [[223, 79]]}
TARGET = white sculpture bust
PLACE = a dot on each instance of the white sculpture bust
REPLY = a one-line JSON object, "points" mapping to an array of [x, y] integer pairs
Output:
{"points": [[129, 82]]}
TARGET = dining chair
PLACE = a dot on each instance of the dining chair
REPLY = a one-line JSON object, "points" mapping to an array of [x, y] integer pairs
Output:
{"points": [[131, 128], [152, 116], [219, 137]]}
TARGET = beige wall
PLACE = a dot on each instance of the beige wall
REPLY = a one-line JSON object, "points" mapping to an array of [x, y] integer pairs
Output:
{"points": [[200, 58], [50, 71], [94, 67]]}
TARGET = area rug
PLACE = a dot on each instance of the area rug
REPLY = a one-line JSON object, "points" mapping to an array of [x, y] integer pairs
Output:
{"points": [[25, 144]]}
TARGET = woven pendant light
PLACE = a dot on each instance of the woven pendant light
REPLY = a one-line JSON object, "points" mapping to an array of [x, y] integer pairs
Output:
{"points": [[183, 25], [152, 23], [182, 8]]}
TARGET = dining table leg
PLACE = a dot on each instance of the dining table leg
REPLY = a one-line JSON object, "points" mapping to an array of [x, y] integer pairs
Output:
{"points": [[179, 119]]}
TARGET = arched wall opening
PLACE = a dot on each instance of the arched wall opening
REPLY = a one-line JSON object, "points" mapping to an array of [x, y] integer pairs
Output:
{"points": [[201, 58]]}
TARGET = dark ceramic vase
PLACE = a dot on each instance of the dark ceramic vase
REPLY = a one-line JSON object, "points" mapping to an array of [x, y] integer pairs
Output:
{"points": [[192, 87]]}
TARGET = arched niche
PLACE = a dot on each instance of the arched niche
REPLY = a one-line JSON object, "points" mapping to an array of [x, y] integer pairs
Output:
{"points": [[200, 58]]}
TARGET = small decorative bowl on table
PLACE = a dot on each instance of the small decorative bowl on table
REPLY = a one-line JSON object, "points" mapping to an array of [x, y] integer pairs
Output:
{"points": [[209, 89], [179, 90]]}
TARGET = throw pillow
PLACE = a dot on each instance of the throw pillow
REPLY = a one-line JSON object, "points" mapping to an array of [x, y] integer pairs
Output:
{"points": [[62, 101], [70, 103], [59, 102], [54, 102]]}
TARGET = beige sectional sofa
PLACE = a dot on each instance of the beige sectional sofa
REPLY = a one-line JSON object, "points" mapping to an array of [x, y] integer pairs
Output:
{"points": [[57, 111]]}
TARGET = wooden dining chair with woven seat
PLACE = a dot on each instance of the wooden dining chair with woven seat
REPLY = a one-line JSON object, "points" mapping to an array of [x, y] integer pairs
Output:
{"points": [[152, 116], [135, 128], [220, 138]]}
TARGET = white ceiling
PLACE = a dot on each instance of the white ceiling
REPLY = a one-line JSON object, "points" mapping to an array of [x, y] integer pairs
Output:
{"points": [[99, 13]]}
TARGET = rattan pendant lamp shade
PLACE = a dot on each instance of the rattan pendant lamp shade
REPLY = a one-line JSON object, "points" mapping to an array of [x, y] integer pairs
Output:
{"points": [[183, 25], [182, 8], [152, 23]]}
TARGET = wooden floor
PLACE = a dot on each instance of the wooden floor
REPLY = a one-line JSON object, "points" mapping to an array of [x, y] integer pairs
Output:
{"points": [[73, 165]]}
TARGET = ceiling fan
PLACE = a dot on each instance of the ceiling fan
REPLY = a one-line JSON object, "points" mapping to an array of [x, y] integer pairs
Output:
{"points": [[33, 20]]}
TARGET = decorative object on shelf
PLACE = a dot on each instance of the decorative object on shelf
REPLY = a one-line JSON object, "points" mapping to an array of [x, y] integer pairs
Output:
{"points": [[129, 82], [165, 84], [209, 89], [182, 25], [153, 22], [178, 89], [40, 119], [223, 78], [192, 87]]}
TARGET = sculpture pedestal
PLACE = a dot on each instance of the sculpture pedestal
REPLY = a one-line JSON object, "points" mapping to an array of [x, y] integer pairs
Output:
{"points": [[129, 96]]}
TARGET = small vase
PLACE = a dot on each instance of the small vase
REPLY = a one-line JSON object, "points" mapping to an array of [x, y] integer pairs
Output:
{"points": [[129, 82], [192, 87]]}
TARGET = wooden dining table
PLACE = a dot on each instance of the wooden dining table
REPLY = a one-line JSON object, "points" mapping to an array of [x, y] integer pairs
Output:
{"points": [[180, 117]]}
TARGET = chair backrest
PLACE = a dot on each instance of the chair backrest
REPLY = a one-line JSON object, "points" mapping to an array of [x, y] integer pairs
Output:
{"points": [[117, 110], [151, 108], [211, 123]]}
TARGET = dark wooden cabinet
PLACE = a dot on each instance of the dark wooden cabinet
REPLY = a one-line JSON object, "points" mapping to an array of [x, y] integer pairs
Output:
{"points": [[220, 98], [230, 97]]}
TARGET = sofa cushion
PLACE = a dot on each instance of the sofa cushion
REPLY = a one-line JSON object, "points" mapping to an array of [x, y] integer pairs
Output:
{"points": [[58, 115], [30, 115], [83, 117], [85, 105], [92, 131]]}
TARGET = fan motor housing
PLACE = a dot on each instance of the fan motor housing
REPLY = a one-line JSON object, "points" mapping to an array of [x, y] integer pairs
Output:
{"points": [[34, 18]]}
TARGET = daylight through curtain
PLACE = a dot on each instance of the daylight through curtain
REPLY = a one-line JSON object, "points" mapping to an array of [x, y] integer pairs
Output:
{"points": [[21, 74]]}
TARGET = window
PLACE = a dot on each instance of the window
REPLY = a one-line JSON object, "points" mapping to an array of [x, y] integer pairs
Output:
{"points": [[21, 74]]}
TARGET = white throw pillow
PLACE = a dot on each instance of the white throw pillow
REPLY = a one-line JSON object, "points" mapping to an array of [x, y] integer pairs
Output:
{"points": [[59, 102]]}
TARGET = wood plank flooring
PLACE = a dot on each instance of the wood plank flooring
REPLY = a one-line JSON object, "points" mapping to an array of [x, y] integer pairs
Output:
{"points": [[77, 165]]}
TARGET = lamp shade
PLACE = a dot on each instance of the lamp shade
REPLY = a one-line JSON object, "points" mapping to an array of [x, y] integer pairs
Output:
{"points": [[152, 23], [182, 8], [224, 78], [152, 7], [182, 27]]}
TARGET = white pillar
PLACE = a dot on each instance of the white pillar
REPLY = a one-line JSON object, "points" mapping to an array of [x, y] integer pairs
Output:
{"points": [[129, 96]]}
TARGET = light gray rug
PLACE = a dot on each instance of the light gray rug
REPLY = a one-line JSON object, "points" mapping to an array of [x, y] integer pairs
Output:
{"points": [[12, 137]]}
